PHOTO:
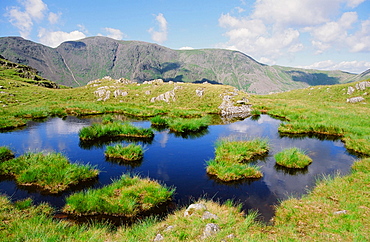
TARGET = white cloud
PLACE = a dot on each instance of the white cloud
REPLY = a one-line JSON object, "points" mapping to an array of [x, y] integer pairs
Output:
{"points": [[277, 29], [186, 48], [254, 37], [161, 35], [54, 17], [349, 66], [53, 39], [114, 33], [24, 20]]}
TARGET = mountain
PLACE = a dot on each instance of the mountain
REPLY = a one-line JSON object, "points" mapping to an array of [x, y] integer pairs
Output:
{"points": [[74, 63]]}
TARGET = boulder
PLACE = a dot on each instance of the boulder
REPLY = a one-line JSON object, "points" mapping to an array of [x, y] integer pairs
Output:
{"points": [[199, 92], [194, 207], [210, 230], [350, 90], [208, 215], [355, 99]]}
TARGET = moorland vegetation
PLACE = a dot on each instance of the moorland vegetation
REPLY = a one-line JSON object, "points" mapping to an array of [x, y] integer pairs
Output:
{"points": [[338, 208]]}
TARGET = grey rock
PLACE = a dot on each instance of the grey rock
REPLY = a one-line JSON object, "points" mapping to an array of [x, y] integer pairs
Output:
{"points": [[355, 99], [169, 228], [199, 92], [362, 85], [166, 97], [209, 215], [210, 230], [194, 207], [341, 212], [350, 90], [148, 92], [158, 237]]}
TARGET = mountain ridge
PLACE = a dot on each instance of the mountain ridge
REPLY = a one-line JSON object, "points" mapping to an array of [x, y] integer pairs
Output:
{"points": [[74, 63]]}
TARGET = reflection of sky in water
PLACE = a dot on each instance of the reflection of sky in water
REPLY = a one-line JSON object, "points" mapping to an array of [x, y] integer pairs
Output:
{"points": [[180, 162]]}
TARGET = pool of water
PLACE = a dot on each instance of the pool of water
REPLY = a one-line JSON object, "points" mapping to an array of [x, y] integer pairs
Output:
{"points": [[180, 161]]}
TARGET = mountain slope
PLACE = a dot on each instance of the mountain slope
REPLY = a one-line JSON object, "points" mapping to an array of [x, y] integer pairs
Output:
{"points": [[75, 63]]}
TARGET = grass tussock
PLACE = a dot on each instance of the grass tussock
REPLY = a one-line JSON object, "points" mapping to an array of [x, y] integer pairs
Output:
{"points": [[180, 125], [5, 153], [230, 154], [51, 172], [130, 152], [114, 129], [127, 196], [293, 158]]}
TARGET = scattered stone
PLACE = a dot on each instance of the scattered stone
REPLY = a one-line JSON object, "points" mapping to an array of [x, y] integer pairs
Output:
{"points": [[2, 87], [148, 92], [119, 92], [124, 81], [158, 237], [100, 92], [355, 99], [350, 90], [210, 230], [170, 82], [362, 85], [209, 215], [199, 92], [169, 228], [95, 82], [154, 82], [341, 212], [167, 96], [194, 207], [107, 78], [244, 100], [3, 92]]}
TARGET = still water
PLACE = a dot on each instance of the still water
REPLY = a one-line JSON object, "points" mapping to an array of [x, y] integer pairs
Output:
{"points": [[180, 161]]}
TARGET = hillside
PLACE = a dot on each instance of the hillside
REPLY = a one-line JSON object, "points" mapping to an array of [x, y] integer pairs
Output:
{"points": [[74, 63]]}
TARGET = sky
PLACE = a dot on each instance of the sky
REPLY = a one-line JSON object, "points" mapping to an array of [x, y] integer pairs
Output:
{"points": [[317, 34]]}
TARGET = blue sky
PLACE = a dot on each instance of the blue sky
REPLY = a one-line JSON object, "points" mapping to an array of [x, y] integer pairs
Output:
{"points": [[319, 34]]}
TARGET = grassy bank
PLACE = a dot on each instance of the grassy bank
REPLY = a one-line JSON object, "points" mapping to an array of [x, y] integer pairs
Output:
{"points": [[322, 110], [337, 209], [127, 196], [51, 172]]}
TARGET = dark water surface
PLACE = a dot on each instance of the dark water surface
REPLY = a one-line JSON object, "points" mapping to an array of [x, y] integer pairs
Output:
{"points": [[180, 162]]}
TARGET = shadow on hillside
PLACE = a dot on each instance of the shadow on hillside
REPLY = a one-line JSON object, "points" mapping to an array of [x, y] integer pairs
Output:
{"points": [[313, 79]]}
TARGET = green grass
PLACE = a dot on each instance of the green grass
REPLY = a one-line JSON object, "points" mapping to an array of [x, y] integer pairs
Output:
{"points": [[23, 101], [159, 121], [322, 110], [236, 151], [229, 157], [130, 152], [180, 125], [114, 129], [51, 172], [5, 153], [127, 196], [293, 158], [232, 172]]}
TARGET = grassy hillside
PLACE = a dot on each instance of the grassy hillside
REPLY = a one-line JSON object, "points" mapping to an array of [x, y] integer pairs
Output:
{"points": [[21, 100]]}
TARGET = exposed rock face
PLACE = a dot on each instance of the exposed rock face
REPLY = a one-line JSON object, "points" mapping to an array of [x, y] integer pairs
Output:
{"points": [[231, 111], [167, 96]]}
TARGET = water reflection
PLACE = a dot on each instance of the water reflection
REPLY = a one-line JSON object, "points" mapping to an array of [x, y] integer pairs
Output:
{"points": [[180, 161]]}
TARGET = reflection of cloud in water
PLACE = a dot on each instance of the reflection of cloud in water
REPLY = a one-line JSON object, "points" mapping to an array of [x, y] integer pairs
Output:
{"points": [[164, 136], [327, 158], [264, 127], [63, 127]]}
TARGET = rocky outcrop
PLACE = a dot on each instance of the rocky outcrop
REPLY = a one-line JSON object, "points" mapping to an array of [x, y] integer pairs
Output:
{"points": [[231, 111]]}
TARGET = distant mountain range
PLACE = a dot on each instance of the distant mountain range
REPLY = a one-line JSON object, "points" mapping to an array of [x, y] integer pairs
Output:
{"points": [[74, 63]]}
